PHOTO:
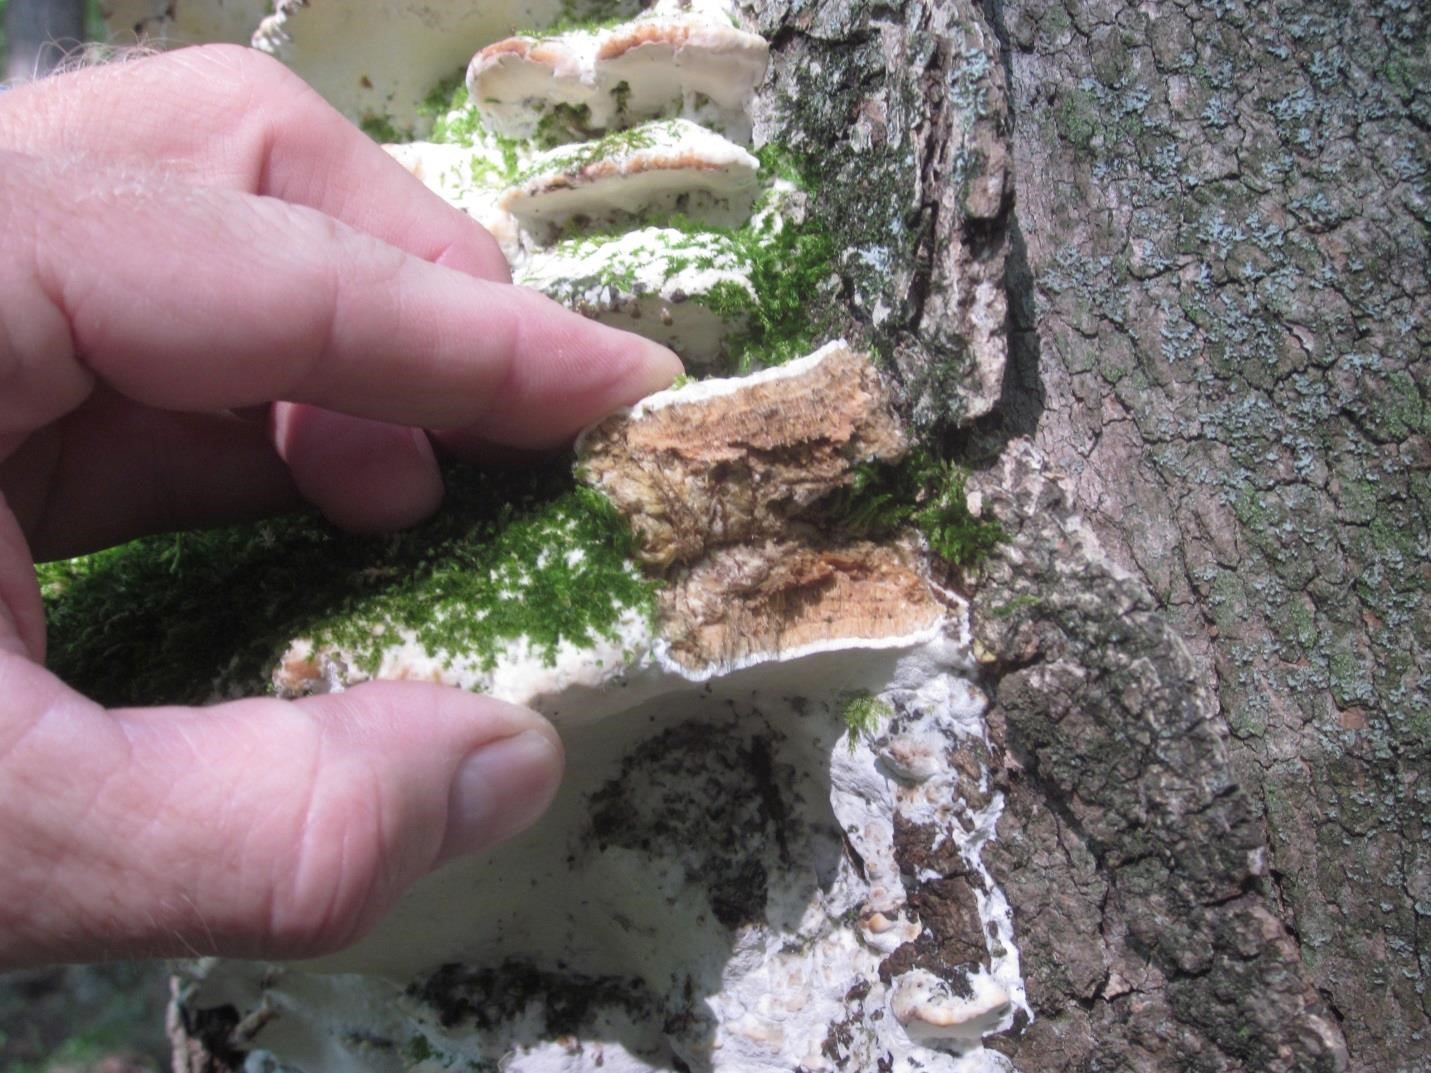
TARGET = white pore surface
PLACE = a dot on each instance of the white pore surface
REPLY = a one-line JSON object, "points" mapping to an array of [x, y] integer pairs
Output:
{"points": [[380, 58], [765, 995]]}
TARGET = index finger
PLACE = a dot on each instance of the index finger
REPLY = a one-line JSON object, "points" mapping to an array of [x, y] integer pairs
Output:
{"points": [[231, 117], [194, 299]]}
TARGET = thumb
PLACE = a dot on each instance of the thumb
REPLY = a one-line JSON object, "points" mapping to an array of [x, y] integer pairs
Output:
{"points": [[257, 828]]}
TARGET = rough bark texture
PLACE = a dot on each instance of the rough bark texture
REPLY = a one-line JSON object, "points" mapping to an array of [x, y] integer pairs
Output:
{"points": [[900, 112], [1218, 295], [1217, 326], [1131, 855]]}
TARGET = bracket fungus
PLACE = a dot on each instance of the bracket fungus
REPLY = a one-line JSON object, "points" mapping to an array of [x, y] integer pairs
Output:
{"points": [[655, 168], [616, 76], [727, 879]]}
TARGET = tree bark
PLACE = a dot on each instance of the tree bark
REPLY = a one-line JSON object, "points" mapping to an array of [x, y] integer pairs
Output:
{"points": [[40, 34], [1218, 323]]}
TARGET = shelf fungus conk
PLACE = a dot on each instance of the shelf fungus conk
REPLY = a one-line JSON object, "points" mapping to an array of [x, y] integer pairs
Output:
{"points": [[613, 77], [768, 851]]}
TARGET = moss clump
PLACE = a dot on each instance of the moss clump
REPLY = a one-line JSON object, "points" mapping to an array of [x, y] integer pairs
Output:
{"points": [[787, 259], [790, 261], [861, 712], [447, 110], [418, 1049], [922, 491], [787, 262], [638, 262], [788, 265], [1077, 119], [452, 113], [780, 162], [512, 555], [381, 129], [1014, 606], [564, 123]]}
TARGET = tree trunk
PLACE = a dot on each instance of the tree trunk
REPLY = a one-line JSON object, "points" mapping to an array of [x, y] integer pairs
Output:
{"points": [[40, 34], [1219, 323]]}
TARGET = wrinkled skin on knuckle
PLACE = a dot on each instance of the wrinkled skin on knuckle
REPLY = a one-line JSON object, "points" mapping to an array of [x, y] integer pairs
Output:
{"points": [[39, 380]]}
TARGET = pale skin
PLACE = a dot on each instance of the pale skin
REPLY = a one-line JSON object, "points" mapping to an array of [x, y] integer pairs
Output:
{"points": [[218, 299]]}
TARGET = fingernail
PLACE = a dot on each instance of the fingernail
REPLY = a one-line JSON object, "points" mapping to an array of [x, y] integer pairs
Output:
{"points": [[659, 367], [499, 790]]}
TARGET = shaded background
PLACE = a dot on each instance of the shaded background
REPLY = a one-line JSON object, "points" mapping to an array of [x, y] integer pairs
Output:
{"points": [[35, 35], [84, 1019]]}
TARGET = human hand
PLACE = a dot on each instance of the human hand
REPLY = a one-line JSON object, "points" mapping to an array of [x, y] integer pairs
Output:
{"points": [[185, 240]]}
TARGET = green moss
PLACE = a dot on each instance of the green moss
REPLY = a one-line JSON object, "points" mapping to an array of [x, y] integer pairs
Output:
{"points": [[564, 123], [618, 259], [157, 621], [452, 113], [580, 155], [454, 120], [922, 491], [790, 262], [381, 129], [787, 268], [418, 1049], [783, 163], [1014, 606], [446, 110], [787, 264], [788, 257], [861, 713]]}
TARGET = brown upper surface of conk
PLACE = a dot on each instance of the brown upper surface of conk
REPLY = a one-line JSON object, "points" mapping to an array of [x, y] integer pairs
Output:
{"points": [[745, 601], [712, 37], [511, 46], [742, 465], [715, 488]]}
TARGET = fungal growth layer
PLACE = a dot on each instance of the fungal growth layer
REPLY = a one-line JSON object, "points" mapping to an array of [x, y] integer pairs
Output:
{"points": [[741, 611]]}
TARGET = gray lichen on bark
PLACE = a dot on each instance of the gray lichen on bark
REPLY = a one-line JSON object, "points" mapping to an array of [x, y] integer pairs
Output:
{"points": [[1218, 321], [1125, 819]]}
